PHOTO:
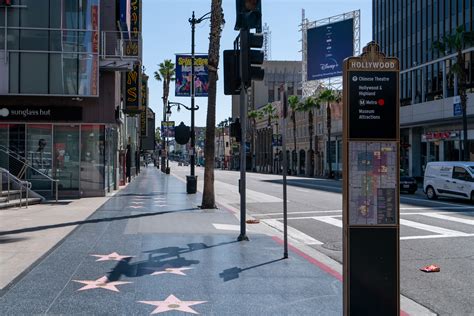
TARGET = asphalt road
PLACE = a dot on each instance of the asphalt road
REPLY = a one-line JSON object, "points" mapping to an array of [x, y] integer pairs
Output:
{"points": [[432, 232]]}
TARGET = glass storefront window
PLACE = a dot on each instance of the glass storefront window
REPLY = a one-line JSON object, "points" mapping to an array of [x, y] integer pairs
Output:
{"points": [[92, 157], [66, 156], [39, 154]]}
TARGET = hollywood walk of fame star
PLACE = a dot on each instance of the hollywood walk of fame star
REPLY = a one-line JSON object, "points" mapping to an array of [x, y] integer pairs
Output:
{"points": [[177, 271], [111, 256], [172, 303], [100, 283]]}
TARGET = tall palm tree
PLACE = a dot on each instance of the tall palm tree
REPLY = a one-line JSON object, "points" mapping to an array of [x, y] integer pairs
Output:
{"points": [[328, 96], [165, 73], [217, 21], [308, 105], [254, 115], [294, 103], [456, 43], [269, 111]]}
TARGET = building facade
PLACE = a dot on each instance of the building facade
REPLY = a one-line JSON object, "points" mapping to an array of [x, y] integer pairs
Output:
{"points": [[63, 74], [430, 116]]}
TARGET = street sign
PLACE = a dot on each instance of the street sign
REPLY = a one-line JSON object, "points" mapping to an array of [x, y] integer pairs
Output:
{"points": [[371, 184], [457, 109]]}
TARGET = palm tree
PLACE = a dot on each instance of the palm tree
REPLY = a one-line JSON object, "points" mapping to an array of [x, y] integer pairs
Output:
{"points": [[269, 111], [328, 96], [165, 73], [308, 105], [217, 21], [456, 42], [294, 104], [221, 130], [254, 115]]}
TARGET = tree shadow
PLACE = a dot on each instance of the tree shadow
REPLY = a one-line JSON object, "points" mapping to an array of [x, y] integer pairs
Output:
{"points": [[91, 221]]}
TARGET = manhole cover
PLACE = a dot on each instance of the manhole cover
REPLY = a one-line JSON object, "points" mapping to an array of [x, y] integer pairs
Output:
{"points": [[335, 246]]}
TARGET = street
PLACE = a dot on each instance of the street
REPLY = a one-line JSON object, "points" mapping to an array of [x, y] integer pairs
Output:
{"points": [[432, 232]]}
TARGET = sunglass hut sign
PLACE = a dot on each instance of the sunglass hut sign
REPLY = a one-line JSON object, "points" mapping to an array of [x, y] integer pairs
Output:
{"points": [[40, 113]]}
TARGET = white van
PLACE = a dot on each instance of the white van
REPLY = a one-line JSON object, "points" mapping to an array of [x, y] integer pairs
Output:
{"points": [[454, 179]]}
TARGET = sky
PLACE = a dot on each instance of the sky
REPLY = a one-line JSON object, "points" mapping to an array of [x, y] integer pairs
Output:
{"points": [[166, 32]]}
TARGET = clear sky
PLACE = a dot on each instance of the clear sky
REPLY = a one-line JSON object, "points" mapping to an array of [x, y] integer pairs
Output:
{"points": [[166, 31]]}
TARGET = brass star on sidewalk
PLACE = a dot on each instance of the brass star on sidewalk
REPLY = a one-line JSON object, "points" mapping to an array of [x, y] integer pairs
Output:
{"points": [[111, 256], [100, 283], [178, 271], [172, 303]]}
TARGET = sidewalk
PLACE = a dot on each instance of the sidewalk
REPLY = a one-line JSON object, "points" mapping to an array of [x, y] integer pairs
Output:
{"points": [[160, 253]]}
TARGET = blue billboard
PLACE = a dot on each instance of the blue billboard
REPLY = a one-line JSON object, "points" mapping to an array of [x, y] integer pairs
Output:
{"points": [[328, 46]]}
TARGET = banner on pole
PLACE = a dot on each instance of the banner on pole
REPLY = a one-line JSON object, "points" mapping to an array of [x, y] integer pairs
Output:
{"points": [[183, 76]]}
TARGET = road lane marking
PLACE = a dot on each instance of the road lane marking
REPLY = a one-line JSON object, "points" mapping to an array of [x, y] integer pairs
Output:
{"points": [[429, 201], [450, 218], [329, 220], [290, 213], [302, 190], [226, 227], [434, 236], [292, 232], [430, 228]]}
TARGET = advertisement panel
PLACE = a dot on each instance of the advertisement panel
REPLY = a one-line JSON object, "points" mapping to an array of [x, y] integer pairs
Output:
{"points": [[132, 45], [183, 76], [328, 46], [167, 129]]}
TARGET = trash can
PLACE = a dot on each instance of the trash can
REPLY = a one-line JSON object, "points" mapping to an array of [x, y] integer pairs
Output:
{"points": [[191, 184]]}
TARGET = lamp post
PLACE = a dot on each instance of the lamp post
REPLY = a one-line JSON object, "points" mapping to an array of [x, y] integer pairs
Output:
{"points": [[192, 109], [191, 180], [168, 114]]}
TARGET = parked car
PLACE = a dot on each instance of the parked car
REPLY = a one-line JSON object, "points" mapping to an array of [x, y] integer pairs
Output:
{"points": [[454, 179], [408, 184]]}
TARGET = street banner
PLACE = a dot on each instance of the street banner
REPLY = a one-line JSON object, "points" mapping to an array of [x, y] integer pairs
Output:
{"points": [[277, 140], [167, 129], [371, 221], [183, 76]]}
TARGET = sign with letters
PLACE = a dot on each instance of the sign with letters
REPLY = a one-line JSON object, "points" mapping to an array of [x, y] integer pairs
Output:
{"points": [[371, 142]]}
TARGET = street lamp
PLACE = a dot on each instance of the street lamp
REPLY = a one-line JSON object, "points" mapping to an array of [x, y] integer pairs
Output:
{"points": [[168, 114], [192, 109], [191, 180]]}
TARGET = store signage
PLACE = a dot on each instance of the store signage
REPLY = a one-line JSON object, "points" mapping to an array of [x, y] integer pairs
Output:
{"points": [[132, 46], [439, 135], [15, 113], [133, 101], [371, 183]]}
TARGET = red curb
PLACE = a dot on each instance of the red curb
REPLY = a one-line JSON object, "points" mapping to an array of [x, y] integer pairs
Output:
{"points": [[319, 264]]}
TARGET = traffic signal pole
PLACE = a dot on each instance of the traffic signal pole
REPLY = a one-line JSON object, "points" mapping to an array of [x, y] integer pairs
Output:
{"points": [[243, 154]]}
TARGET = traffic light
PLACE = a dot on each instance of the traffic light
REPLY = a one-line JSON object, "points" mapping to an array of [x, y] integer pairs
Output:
{"points": [[251, 59], [232, 72], [249, 15], [236, 130]]}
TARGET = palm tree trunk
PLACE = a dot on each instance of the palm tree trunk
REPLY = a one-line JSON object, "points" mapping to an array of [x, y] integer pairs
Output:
{"points": [[463, 97], [293, 157], [328, 121], [311, 155], [208, 197]]}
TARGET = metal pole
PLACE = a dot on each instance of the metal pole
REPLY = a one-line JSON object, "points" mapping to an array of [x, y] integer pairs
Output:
{"points": [[193, 139], [285, 172], [56, 190], [243, 156]]}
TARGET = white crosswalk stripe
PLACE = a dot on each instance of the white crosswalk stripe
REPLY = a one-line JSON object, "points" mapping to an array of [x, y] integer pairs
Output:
{"points": [[335, 220]]}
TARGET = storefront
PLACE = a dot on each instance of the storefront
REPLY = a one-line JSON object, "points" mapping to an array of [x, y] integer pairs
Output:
{"points": [[81, 156]]}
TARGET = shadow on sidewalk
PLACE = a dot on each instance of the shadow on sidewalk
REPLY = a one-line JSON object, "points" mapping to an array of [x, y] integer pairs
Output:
{"points": [[161, 259], [233, 273], [90, 221]]}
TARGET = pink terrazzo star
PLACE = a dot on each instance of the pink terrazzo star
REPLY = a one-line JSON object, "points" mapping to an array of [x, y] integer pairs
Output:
{"points": [[101, 283], [178, 271], [172, 303], [112, 256]]}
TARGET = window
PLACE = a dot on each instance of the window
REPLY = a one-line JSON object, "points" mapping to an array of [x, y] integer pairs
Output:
{"points": [[461, 174]]}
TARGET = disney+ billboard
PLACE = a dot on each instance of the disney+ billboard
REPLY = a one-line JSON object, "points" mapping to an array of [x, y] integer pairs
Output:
{"points": [[328, 46]]}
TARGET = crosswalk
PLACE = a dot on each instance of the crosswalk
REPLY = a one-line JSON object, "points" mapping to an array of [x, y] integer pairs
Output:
{"points": [[415, 221]]}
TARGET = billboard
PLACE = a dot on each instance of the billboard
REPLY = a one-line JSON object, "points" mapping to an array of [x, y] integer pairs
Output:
{"points": [[183, 76], [327, 47]]}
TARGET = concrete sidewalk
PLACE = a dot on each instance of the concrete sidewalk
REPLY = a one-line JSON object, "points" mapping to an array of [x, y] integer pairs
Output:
{"points": [[150, 249]]}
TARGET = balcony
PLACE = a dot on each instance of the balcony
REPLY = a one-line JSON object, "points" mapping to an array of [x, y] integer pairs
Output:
{"points": [[119, 51]]}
